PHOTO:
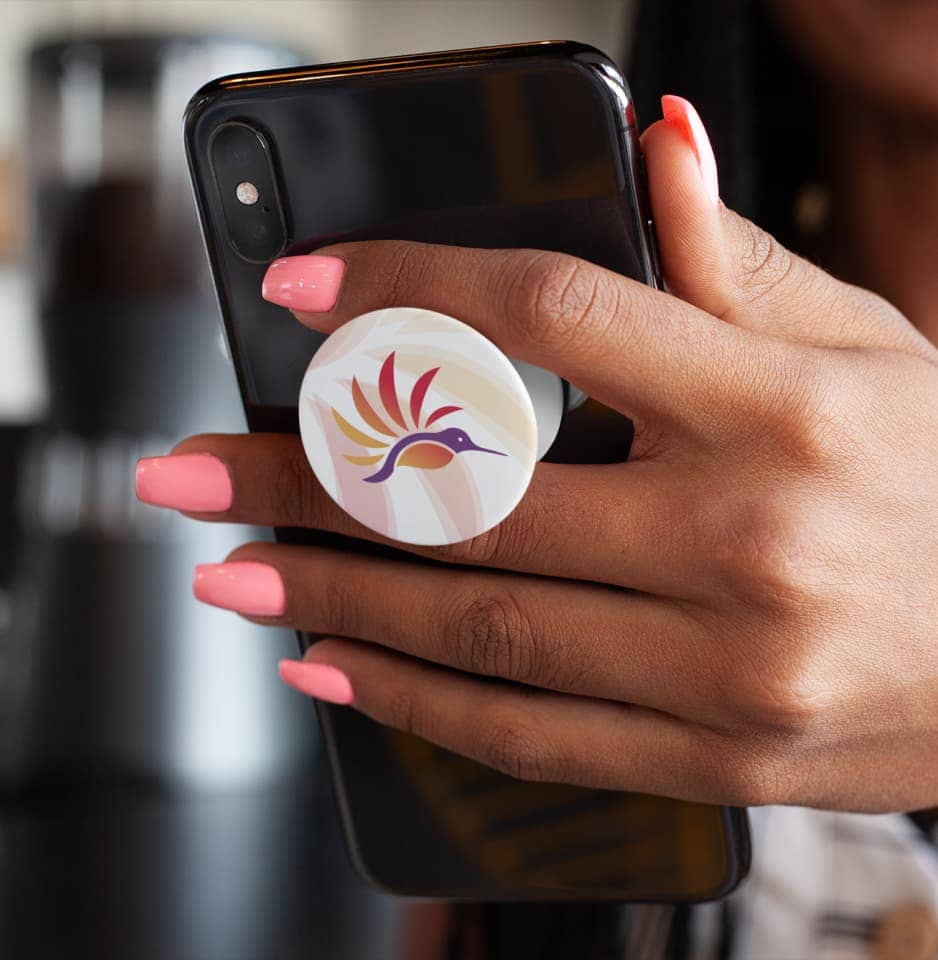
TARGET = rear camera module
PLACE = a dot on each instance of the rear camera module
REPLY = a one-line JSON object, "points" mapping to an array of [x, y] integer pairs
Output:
{"points": [[244, 173]]}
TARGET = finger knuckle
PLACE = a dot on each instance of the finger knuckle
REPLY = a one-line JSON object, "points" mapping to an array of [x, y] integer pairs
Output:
{"points": [[292, 493], [513, 748], [403, 711], [403, 266], [556, 299], [764, 264], [786, 698], [814, 427], [784, 576], [481, 550], [338, 609], [492, 635], [512, 543], [764, 551]]}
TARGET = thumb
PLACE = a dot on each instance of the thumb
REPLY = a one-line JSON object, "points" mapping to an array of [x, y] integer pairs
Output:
{"points": [[711, 258], [685, 196], [726, 265]]}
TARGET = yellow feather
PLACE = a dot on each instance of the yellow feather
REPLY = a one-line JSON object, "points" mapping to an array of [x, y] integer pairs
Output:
{"points": [[363, 461], [353, 433]]}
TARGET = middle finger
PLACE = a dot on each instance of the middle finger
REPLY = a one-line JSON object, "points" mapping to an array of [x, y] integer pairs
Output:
{"points": [[629, 524]]}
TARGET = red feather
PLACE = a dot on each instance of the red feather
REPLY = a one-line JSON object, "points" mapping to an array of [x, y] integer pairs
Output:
{"points": [[441, 412], [419, 392], [388, 391]]}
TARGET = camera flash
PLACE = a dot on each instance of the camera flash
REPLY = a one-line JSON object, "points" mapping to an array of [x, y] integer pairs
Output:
{"points": [[247, 193]]}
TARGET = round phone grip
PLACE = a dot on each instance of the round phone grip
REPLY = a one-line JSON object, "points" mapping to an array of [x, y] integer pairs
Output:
{"points": [[420, 428]]}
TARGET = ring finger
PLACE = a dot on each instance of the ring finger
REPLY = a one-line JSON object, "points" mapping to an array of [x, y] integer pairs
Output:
{"points": [[526, 629]]}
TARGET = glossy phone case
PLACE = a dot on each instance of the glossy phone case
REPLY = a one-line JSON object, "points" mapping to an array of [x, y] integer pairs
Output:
{"points": [[532, 145]]}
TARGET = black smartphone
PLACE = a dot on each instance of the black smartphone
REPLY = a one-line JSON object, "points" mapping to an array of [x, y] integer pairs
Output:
{"points": [[530, 145]]}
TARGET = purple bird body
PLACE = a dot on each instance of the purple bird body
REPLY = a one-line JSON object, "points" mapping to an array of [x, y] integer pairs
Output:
{"points": [[428, 451]]}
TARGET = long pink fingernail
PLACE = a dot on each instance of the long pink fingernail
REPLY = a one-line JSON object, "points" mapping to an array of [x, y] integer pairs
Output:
{"points": [[188, 481], [317, 680], [681, 114], [243, 586], [309, 284]]}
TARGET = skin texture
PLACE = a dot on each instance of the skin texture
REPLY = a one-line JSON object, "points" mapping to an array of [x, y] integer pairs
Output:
{"points": [[743, 613]]}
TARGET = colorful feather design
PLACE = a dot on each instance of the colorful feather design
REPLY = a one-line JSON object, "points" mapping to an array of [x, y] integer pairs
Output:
{"points": [[410, 446]]}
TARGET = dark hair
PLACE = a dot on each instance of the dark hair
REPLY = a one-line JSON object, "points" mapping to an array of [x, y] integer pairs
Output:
{"points": [[755, 99]]}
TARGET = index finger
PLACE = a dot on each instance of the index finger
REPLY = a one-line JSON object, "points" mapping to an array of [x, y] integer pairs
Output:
{"points": [[636, 349]]}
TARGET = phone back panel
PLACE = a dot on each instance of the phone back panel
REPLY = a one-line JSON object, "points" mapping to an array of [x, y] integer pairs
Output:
{"points": [[528, 146]]}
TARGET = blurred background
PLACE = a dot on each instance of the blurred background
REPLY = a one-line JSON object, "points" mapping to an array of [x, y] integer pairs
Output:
{"points": [[160, 790]]}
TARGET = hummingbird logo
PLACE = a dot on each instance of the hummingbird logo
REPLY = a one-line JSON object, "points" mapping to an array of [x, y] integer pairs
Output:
{"points": [[406, 446]]}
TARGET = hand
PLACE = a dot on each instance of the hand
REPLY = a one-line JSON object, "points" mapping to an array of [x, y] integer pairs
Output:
{"points": [[746, 612]]}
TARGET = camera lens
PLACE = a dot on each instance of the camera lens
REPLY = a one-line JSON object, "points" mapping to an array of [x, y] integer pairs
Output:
{"points": [[244, 172], [247, 194]]}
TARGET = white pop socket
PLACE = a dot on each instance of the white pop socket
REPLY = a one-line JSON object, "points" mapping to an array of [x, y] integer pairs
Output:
{"points": [[421, 428]]}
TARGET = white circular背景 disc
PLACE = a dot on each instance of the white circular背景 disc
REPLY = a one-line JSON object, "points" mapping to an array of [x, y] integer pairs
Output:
{"points": [[418, 426]]}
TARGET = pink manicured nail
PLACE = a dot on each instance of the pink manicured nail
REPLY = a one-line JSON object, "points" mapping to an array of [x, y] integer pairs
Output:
{"points": [[188, 481], [242, 586], [317, 680], [309, 284], [682, 115]]}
